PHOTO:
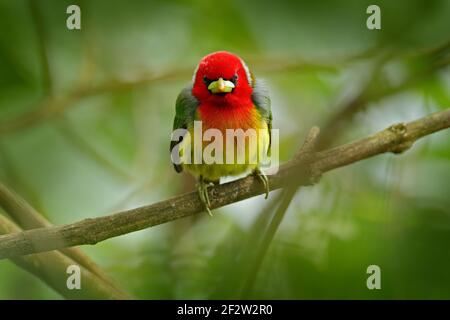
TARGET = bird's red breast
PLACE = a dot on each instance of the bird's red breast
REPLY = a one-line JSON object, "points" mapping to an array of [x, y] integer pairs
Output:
{"points": [[231, 117]]}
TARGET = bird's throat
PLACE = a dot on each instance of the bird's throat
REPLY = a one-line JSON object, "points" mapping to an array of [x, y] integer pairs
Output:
{"points": [[229, 117]]}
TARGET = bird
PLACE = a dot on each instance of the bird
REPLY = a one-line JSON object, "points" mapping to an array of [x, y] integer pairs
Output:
{"points": [[223, 95]]}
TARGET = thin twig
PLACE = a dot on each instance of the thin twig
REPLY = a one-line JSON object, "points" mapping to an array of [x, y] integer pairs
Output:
{"points": [[304, 156], [376, 90], [41, 37], [65, 128], [20, 181]]}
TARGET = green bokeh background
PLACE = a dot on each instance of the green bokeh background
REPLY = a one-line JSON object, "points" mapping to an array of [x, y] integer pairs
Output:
{"points": [[108, 151]]}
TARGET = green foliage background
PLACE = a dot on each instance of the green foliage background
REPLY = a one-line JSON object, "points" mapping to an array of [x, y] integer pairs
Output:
{"points": [[108, 151]]}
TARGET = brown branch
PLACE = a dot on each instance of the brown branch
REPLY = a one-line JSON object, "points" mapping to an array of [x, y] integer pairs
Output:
{"points": [[396, 139]]}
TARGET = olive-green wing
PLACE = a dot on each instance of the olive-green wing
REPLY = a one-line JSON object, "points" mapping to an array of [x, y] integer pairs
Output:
{"points": [[185, 109], [261, 99]]}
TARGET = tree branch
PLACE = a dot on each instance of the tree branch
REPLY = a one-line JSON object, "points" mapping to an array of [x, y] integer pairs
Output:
{"points": [[396, 139]]}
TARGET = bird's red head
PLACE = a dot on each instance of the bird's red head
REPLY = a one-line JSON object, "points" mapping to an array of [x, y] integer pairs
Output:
{"points": [[222, 79]]}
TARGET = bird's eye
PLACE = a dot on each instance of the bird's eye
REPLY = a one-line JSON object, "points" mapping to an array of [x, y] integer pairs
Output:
{"points": [[234, 79], [207, 81]]}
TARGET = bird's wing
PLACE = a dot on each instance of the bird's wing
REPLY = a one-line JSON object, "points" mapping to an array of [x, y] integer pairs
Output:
{"points": [[185, 109], [261, 99]]}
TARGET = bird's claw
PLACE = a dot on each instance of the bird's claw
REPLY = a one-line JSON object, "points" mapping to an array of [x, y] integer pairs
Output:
{"points": [[202, 188], [265, 181]]}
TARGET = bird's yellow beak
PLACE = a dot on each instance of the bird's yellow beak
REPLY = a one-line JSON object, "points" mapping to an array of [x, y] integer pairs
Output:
{"points": [[221, 86]]}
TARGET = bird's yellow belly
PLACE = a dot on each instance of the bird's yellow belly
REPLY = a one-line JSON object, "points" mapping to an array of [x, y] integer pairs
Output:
{"points": [[246, 154]]}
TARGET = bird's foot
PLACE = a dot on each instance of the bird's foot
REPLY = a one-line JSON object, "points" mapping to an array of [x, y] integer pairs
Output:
{"points": [[202, 188], [263, 178]]}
